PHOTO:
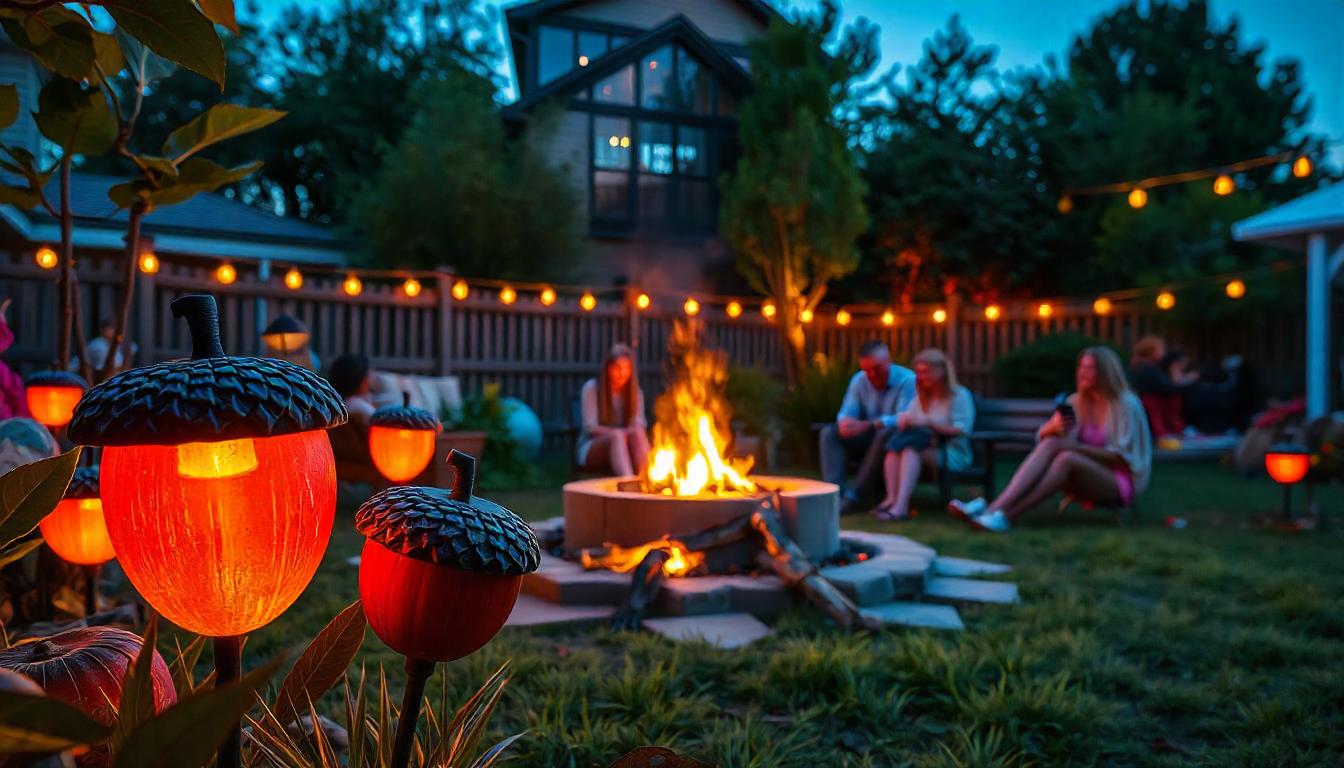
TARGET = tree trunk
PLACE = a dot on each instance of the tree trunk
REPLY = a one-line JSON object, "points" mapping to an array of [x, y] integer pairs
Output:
{"points": [[118, 344], [66, 293], [794, 342]]}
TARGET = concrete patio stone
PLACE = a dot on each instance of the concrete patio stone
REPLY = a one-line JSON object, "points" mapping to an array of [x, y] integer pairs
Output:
{"points": [[948, 589], [561, 581], [916, 615], [962, 567], [532, 611], [761, 595], [696, 596], [726, 630], [863, 583], [908, 572]]}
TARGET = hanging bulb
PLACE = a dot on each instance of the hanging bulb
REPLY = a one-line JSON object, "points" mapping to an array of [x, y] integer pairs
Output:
{"points": [[993, 312], [1102, 306], [1137, 198], [1302, 167], [293, 279], [46, 257], [940, 315], [460, 290], [842, 317], [1065, 204], [1235, 289], [1165, 300], [734, 309], [547, 296], [888, 318], [411, 287], [1045, 310], [1224, 185]]}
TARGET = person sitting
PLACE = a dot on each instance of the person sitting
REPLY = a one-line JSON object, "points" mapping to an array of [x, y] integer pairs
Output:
{"points": [[865, 421], [286, 338], [98, 348], [941, 408], [1096, 447], [349, 376], [614, 437], [1160, 385]]}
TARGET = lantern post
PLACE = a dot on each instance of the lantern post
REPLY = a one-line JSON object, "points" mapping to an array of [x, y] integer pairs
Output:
{"points": [[438, 576], [218, 485], [1287, 464]]}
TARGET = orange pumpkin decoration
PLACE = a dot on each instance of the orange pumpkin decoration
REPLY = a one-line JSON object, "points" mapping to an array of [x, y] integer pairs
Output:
{"points": [[401, 440], [53, 395]]}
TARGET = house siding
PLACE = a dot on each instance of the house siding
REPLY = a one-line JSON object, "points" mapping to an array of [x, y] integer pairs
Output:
{"points": [[18, 67], [721, 21]]}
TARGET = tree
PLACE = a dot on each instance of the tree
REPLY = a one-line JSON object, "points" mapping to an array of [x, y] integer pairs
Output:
{"points": [[456, 190], [793, 207]]}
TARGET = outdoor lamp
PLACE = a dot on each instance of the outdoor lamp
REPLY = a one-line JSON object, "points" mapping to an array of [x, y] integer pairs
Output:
{"points": [[401, 440], [76, 532], [285, 334], [438, 576], [53, 395], [218, 484], [1287, 463]]}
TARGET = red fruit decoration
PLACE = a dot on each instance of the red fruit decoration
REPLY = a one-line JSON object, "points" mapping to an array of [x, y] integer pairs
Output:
{"points": [[401, 440], [439, 575], [85, 668]]}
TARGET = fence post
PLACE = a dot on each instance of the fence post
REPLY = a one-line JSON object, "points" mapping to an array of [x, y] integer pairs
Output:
{"points": [[443, 284]]}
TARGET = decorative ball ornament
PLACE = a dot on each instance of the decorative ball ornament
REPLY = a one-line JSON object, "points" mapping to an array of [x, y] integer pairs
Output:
{"points": [[401, 440], [53, 395], [75, 530]]}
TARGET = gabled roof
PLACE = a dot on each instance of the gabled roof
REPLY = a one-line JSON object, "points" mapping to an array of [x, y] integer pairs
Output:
{"points": [[758, 8], [1288, 225], [208, 224], [677, 29]]}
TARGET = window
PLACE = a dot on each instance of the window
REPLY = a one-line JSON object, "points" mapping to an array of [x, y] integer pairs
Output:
{"points": [[592, 45], [617, 88], [612, 154], [555, 53], [695, 86], [692, 152], [655, 148], [655, 73]]}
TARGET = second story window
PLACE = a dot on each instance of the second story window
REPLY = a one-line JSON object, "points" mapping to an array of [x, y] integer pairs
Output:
{"points": [[562, 49]]}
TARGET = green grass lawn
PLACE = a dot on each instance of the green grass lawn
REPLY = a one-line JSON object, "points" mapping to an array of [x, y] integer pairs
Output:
{"points": [[1135, 644]]}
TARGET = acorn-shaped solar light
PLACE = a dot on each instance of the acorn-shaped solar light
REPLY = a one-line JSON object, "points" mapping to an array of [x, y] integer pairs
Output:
{"points": [[77, 533], [218, 484], [401, 440], [53, 395], [438, 576]]}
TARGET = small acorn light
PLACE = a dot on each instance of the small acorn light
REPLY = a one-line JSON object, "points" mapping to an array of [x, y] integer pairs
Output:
{"points": [[53, 395], [401, 440], [77, 533], [438, 576]]}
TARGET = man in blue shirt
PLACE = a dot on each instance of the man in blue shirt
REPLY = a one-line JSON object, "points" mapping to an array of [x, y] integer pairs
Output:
{"points": [[867, 418]]}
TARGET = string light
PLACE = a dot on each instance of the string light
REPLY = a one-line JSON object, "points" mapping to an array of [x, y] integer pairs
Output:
{"points": [[352, 286], [691, 307], [460, 290], [940, 315], [149, 263], [734, 309], [547, 296], [1137, 198], [583, 61], [293, 279], [46, 257], [1224, 185], [888, 318], [805, 316], [1302, 167], [1235, 289], [411, 287], [226, 274], [1045, 310], [842, 317], [1165, 300], [642, 301], [1065, 204], [507, 295], [993, 312], [1102, 306], [768, 310], [588, 302]]}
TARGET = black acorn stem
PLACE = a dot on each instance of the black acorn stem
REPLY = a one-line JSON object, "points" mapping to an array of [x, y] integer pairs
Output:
{"points": [[202, 316], [417, 674], [228, 668], [464, 479]]}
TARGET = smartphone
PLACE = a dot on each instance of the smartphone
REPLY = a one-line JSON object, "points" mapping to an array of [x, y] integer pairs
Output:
{"points": [[1067, 414]]}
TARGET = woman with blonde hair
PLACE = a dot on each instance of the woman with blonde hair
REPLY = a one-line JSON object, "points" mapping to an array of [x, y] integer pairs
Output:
{"points": [[1096, 447], [941, 409], [614, 435]]}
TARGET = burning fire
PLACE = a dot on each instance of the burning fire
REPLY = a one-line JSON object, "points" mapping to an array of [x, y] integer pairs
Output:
{"points": [[689, 443], [680, 561]]}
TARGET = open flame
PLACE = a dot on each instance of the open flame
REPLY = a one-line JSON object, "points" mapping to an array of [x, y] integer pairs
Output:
{"points": [[693, 416], [680, 560]]}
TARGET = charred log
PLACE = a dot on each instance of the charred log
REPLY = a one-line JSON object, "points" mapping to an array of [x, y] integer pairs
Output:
{"points": [[646, 581]]}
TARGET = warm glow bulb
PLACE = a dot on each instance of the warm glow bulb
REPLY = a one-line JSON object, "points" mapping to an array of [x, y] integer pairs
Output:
{"points": [[805, 316], [46, 257], [1302, 167], [734, 309], [642, 301], [77, 533], [625, 142], [1235, 289], [401, 454], [352, 286], [614, 141], [1044, 310], [768, 310], [588, 302], [507, 295], [411, 287], [1287, 467], [293, 279], [1165, 300], [993, 312], [225, 458], [583, 61], [940, 316], [226, 274], [547, 296], [842, 317], [149, 263], [1137, 198], [1102, 306], [460, 290], [52, 406], [1224, 185], [691, 307], [1065, 204], [888, 317]]}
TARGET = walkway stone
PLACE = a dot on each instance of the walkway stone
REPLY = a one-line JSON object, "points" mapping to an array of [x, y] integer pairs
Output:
{"points": [[916, 615], [531, 611], [947, 589], [724, 630], [863, 583], [960, 567]]}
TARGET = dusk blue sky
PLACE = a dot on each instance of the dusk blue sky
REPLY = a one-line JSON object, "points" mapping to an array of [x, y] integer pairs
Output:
{"points": [[1024, 31]]}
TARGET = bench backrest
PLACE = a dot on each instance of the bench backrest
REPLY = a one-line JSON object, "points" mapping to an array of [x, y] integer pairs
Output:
{"points": [[1011, 414]]}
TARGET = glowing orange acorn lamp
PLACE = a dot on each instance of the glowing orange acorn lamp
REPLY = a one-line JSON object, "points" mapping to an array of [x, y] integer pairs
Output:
{"points": [[218, 485], [438, 576], [52, 396], [401, 440], [77, 533], [1287, 463]]}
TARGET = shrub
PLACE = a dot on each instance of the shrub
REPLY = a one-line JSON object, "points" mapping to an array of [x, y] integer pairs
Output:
{"points": [[1043, 368], [755, 396], [504, 464], [815, 399]]}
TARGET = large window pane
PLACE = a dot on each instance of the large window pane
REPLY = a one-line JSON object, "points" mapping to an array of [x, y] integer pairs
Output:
{"points": [[611, 194], [653, 200], [611, 143], [617, 88], [692, 151], [695, 87], [727, 102], [655, 72], [591, 47], [555, 53], [695, 205], [655, 148]]}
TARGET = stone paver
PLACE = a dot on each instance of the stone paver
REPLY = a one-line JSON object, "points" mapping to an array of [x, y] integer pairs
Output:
{"points": [[696, 595], [908, 572], [561, 581], [724, 630], [864, 584], [916, 615], [531, 611], [962, 567], [953, 590]]}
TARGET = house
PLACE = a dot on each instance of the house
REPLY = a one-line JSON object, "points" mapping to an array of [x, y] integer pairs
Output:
{"points": [[647, 93]]}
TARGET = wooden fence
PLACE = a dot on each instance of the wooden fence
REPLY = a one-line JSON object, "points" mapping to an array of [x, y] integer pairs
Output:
{"points": [[539, 354]]}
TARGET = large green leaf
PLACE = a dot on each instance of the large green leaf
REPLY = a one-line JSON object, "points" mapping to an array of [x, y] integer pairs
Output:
{"points": [[174, 29], [322, 664], [108, 54], [77, 120], [221, 12], [127, 193], [137, 690], [9, 105], [23, 163], [199, 175], [220, 122], [188, 733], [42, 724], [61, 40], [21, 197], [30, 492], [146, 66], [18, 552]]}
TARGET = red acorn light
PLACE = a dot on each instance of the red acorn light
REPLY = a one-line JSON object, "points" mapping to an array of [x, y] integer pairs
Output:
{"points": [[401, 440], [53, 395], [1288, 464], [77, 533], [439, 575], [218, 484], [85, 668]]}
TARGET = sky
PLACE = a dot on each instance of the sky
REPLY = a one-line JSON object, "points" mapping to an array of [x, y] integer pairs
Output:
{"points": [[1024, 31]]}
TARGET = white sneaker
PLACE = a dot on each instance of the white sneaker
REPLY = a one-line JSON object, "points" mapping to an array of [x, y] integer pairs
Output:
{"points": [[994, 520], [966, 510]]}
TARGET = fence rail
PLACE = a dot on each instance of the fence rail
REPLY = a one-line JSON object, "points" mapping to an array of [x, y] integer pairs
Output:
{"points": [[540, 354]]}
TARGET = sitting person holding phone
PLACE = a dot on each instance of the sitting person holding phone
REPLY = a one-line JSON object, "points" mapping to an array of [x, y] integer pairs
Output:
{"points": [[1096, 447]]}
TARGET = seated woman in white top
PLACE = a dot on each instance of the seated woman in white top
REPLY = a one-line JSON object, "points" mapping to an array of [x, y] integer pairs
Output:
{"points": [[615, 437], [941, 407]]}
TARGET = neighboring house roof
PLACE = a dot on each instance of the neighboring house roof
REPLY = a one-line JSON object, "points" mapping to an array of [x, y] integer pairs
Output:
{"points": [[762, 10], [208, 224], [678, 28], [1288, 225]]}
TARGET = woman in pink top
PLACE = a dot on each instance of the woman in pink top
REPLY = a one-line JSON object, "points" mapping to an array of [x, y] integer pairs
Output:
{"points": [[13, 397]]}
